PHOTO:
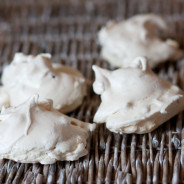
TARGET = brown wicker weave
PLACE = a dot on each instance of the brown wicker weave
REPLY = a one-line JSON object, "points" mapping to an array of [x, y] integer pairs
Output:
{"points": [[67, 29]]}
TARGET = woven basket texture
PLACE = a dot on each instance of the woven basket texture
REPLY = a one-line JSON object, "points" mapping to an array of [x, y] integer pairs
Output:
{"points": [[68, 29]]}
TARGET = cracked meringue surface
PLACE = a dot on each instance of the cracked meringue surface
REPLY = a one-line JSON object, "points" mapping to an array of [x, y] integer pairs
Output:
{"points": [[134, 99], [35, 132]]}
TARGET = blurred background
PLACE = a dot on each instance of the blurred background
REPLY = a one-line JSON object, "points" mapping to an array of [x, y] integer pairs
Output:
{"points": [[68, 28]]}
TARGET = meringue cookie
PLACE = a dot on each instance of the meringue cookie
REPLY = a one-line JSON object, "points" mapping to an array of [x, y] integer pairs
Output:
{"points": [[34, 132], [134, 99], [138, 36], [29, 74]]}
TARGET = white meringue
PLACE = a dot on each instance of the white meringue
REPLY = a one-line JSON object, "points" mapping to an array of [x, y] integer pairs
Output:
{"points": [[35, 132], [137, 36], [29, 74], [134, 99]]}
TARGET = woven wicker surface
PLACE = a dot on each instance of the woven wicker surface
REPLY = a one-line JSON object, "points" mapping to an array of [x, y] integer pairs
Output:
{"points": [[68, 30]]}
